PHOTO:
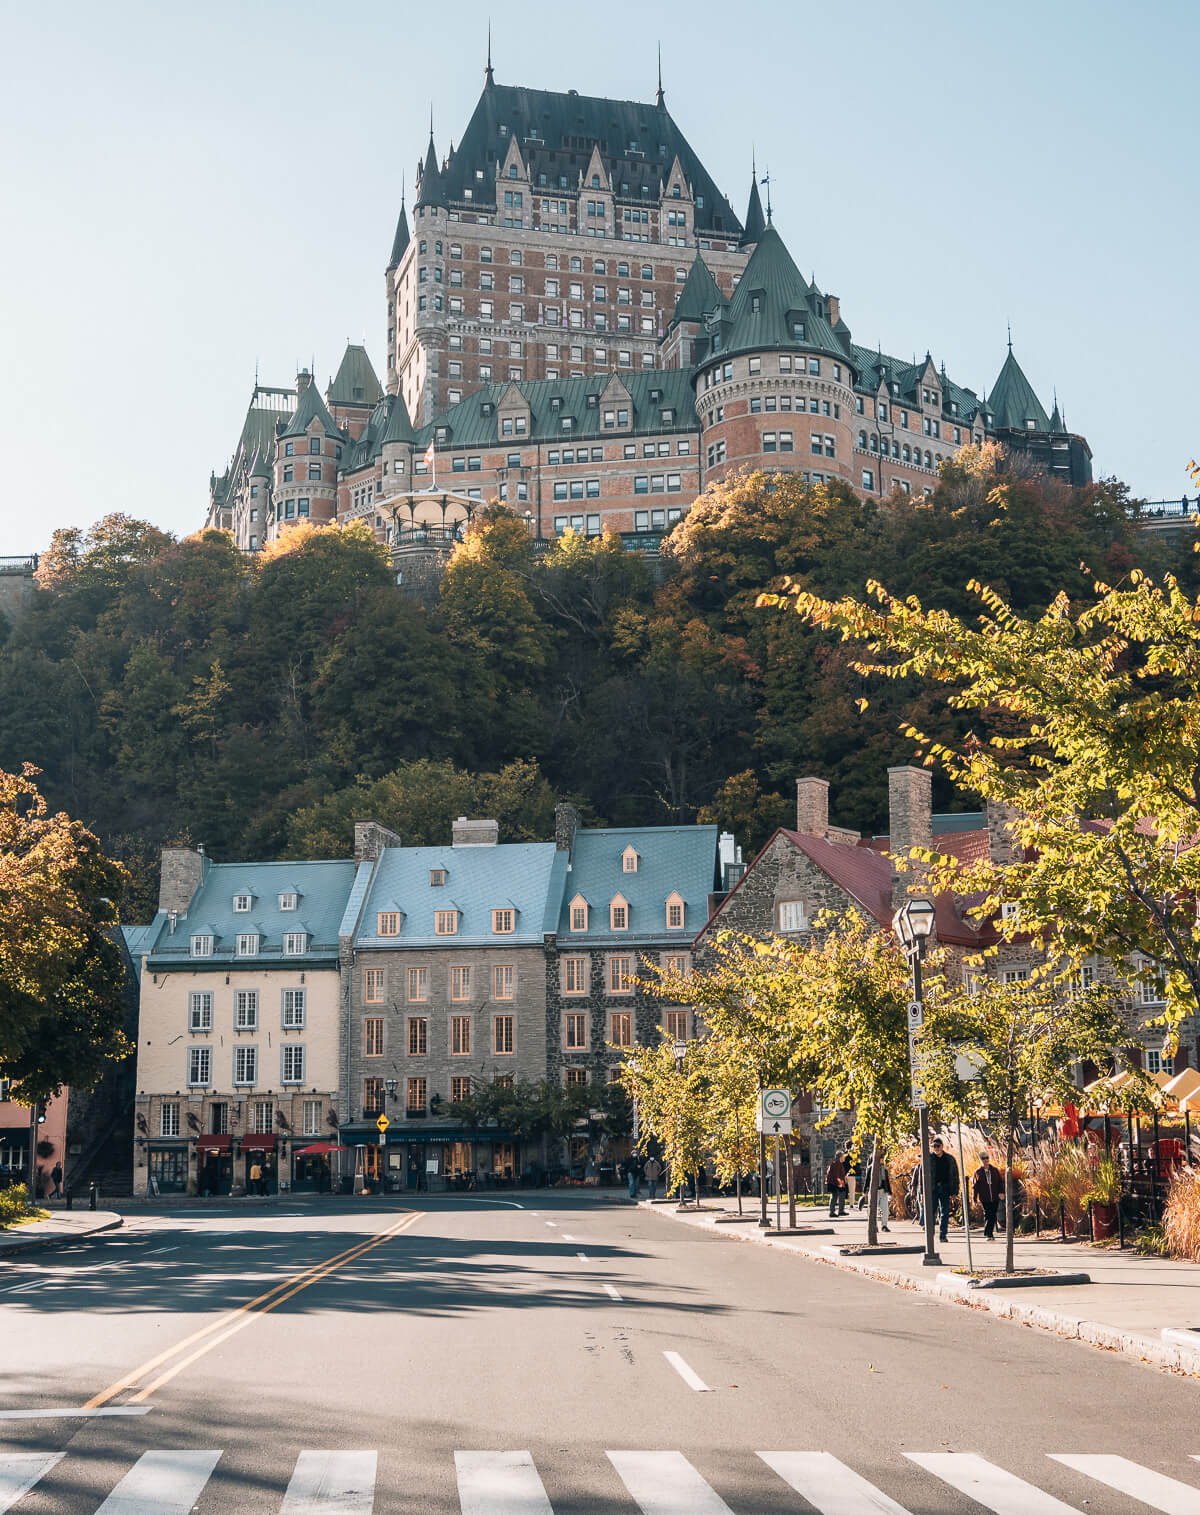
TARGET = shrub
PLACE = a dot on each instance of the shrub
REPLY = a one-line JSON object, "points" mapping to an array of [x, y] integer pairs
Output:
{"points": [[14, 1204], [1151, 1241], [1181, 1215]]}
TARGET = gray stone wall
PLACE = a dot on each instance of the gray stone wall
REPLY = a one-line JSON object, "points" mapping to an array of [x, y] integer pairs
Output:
{"points": [[649, 1012]]}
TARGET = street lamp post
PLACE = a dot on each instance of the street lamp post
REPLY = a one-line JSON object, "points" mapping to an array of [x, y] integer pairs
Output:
{"points": [[679, 1049], [913, 925]]}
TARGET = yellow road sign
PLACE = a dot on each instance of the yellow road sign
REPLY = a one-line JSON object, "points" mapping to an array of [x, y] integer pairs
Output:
{"points": [[383, 1123]]}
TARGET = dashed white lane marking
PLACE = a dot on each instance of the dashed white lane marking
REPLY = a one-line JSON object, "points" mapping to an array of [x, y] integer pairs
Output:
{"points": [[161, 1483], [499, 1483], [611, 1292], [553, 1223], [665, 1483], [692, 1379], [332, 1483], [582, 1256], [19, 1471], [1001, 1492], [1155, 1489]]}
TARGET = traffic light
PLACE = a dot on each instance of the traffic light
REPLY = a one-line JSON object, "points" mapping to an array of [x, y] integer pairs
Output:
{"points": [[41, 1111]]}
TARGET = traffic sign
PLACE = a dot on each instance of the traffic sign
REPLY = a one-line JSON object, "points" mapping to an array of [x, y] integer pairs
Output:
{"points": [[775, 1125], [916, 1015], [383, 1123], [776, 1102]]}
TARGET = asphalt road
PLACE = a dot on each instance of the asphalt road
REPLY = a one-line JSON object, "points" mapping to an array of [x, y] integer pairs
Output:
{"points": [[542, 1355]]}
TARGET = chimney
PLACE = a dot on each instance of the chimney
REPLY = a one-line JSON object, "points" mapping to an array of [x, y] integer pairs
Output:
{"points": [[465, 833], [182, 874], [566, 823], [370, 838], [835, 309], [910, 823], [1003, 846], [302, 382], [812, 807]]}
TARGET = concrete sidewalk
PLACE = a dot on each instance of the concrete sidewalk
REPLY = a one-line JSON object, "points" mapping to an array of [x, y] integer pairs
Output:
{"points": [[63, 1228], [1129, 1305]]}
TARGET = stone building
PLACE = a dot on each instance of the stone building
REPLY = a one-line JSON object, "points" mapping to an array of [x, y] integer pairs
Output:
{"points": [[578, 324]]}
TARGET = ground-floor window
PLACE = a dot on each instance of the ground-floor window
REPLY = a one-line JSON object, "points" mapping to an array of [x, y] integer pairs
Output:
{"points": [[169, 1169]]}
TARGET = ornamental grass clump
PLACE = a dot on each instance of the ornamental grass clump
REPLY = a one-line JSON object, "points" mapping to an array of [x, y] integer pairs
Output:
{"points": [[1181, 1215]]}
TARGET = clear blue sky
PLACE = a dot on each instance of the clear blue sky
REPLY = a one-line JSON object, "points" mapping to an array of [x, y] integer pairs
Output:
{"points": [[189, 191]]}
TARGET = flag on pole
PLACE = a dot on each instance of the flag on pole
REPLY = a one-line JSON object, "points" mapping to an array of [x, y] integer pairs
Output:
{"points": [[429, 456]]}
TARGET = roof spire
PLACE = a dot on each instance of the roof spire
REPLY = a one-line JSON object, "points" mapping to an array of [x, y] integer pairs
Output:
{"points": [[1010, 336], [766, 179], [660, 99], [488, 75]]}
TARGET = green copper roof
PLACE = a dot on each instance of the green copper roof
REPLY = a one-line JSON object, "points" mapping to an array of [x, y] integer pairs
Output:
{"points": [[756, 222], [389, 423], [355, 383], [699, 296], [1056, 421], [310, 407], [1012, 401], [399, 427], [401, 239], [429, 187]]}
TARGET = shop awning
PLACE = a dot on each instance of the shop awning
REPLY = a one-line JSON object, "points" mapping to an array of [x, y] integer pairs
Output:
{"points": [[213, 1143], [318, 1149], [368, 1136], [258, 1142]]}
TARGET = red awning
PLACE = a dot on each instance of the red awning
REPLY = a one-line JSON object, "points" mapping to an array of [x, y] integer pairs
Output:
{"points": [[258, 1142], [318, 1149], [213, 1143]]}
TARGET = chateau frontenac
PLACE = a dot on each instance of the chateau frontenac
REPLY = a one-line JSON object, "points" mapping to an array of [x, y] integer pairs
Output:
{"points": [[579, 325]]}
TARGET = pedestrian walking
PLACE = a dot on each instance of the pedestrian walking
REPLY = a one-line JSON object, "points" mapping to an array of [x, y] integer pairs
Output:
{"points": [[835, 1182], [883, 1199], [851, 1178], [944, 1174], [255, 1178], [987, 1187], [652, 1172], [632, 1175], [56, 1177]]}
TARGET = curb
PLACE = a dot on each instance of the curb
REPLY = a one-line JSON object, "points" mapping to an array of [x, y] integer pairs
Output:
{"points": [[60, 1239], [1174, 1355]]}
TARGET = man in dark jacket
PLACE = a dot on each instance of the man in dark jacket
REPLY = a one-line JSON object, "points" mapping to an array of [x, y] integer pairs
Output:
{"points": [[945, 1185], [835, 1181], [987, 1188]]}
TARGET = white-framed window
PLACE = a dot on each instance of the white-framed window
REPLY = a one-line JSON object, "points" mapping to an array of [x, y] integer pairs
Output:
{"points": [[263, 1117], [287, 900], [972, 982], [1153, 989], [503, 921], [1010, 910], [312, 1117], [618, 913], [200, 1005], [247, 944], [629, 861], [168, 1118], [241, 903], [199, 1066], [295, 943], [292, 1063], [245, 1010], [445, 922], [294, 1009], [675, 911], [201, 944], [1154, 1061], [793, 915], [1014, 975], [245, 1065]]}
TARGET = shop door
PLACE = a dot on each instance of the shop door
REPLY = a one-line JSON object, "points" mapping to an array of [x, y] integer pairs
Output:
{"points": [[169, 1167], [580, 1147], [504, 1166], [216, 1174], [456, 1162], [373, 1166]]}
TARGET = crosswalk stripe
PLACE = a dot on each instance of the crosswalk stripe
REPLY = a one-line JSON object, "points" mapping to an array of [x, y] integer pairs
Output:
{"points": [[19, 1471], [829, 1485], [665, 1483], [332, 1483], [993, 1487], [499, 1483], [1155, 1489], [161, 1483]]}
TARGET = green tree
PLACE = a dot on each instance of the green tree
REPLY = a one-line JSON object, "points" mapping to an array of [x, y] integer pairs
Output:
{"points": [[672, 1104]]}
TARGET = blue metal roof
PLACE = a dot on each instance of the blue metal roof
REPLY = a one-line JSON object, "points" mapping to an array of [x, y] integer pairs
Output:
{"points": [[525, 876], [322, 890], [671, 859]]}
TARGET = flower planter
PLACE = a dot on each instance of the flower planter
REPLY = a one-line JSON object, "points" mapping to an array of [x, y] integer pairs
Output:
{"points": [[1104, 1222]]}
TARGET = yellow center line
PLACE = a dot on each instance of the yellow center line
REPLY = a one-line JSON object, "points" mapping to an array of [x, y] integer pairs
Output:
{"points": [[260, 1305]]}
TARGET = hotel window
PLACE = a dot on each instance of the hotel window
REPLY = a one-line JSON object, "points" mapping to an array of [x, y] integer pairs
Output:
{"points": [[292, 1070], [201, 946], [418, 1036], [620, 975], [373, 986], [503, 1037], [262, 1117], [312, 1117], [504, 977], [241, 903], [674, 913], [418, 985], [579, 914], [575, 1032], [460, 984], [437, 877], [768, 441], [445, 922], [245, 1012], [460, 1036], [389, 923], [575, 975], [620, 1028], [676, 963], [793, 915], [247, 944], [295, 943], [168, 1119], [287, 900], [502, 922], [416, 1095], [372, 1096], [618, 914], [200, 1012], [868, 479], [577, 1078], [460, 1089], [676, 1025], [199, 1066], [293, 1009], [373, 1036], [245, 1065]]}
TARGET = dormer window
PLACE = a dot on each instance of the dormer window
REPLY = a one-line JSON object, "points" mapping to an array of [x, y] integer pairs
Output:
{"points": [[798, 330], [437, 878], [618, 913], [201, 945], [793, 915], [241, 903], [389, 923], [445, 922], [295, 943], [629, 861], [579, 913], [287, 900], [247, 944], [755, 305], [675, 911], [503, 921]]}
